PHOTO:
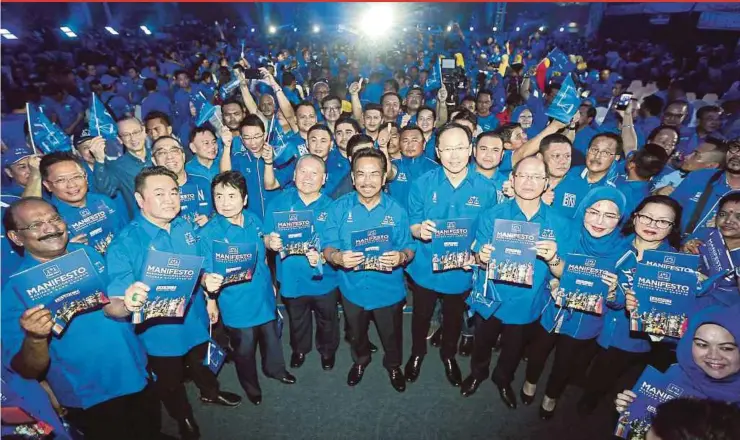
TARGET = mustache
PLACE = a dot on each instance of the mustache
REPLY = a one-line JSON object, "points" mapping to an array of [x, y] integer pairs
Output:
{"points": [[50, 236]]}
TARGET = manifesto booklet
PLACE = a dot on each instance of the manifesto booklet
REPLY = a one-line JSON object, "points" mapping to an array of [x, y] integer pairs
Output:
{"points": [[235, 261], [652, 389], [215, 357], [16, 421], [373, 243], [66, 286], [665, 286], [451, 244], [514, 253], [296, 231], [581, 287], [715, 256], [171, 279]]}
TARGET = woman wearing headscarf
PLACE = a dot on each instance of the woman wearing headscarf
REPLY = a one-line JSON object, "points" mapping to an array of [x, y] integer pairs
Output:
{"points": [[654, 225], [531, 121], [572, 332]]}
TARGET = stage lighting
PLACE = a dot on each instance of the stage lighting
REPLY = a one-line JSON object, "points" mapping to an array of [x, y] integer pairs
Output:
{"points": [[272, 29], [495, 29], [449, 28], [7, 34], [111, 30], [572, 24], [562, 29], [429, 28], [378, 20], [404, 29], [542, 28], [472, 28], [65, 29], [518, 28], [251, 30], [145, 29], [316, 29]]}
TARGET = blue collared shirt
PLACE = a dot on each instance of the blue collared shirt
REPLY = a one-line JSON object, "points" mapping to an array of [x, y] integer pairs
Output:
{"points": [[522, 305], [337, 166], [96, 358], [118, 175], [573, 188], [496, 181], [430, 147], [583, 139], [488, 123], [297, 277], [634, 191], [194, 167], [247, 304], [67, 110], [368, 289], [408, 171], [156, 101], [433, 197], [99, 218], [689, 192], [253, 169], [195, 198], [126, 257]]}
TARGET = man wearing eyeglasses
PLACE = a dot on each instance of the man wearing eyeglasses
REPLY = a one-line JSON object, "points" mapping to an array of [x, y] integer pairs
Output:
{"points": [[331, 108], [93, 219], [604, 150], [195, 194], [118, 175], [443, 194]]}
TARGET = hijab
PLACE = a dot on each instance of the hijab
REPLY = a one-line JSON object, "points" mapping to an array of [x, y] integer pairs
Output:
{"points": [[539, 121], [727, 389], [610, 246]]}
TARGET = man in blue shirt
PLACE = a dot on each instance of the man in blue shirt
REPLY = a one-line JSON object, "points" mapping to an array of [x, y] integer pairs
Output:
{"points": [[170, 346], [443, 195], [183, 121], [206, 155], [641, 167], [117, 175], [513, 308], [369, 293], [93, 219], [155, 100], [486, 119], [488, 151], [248, 308], [12, 124], [195, 194], [22, 167], [302, 286], [556, 150], [585, 131], [98, 367], [68, 110], [411, 166]]}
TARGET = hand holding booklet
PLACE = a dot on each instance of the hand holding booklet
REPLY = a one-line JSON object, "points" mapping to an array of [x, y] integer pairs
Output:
{"points": [[373, 243], [581, 287], [235, 261], [296, 231], [451, 244], [514, 253]]}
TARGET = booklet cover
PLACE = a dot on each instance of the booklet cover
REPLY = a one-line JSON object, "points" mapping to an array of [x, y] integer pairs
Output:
{"points": [[514, 254], [665, 286], [66, 286], [235, 261], [451, 244], [715, 256], [16, 421], [373, 243], [171, 279], [581, 287], [215, 357], [652, 389], [296, 231]]}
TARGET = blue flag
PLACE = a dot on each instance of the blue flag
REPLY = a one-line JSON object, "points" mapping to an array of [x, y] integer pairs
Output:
{"points": [[566, 102], [101, 121], [560, 62], [284, 149], [203, 109], [434, 81], [45, 135]]}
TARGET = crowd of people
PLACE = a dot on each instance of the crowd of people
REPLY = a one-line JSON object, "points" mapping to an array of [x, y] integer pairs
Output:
{"points": [[365, 140]]}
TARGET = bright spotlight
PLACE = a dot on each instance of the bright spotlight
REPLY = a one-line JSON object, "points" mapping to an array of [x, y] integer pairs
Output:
{"points": [[272, 29], [4, 32], [495, 29], [145, 30], [111, 30], [472, 28], [562, 29], [316, 29], [65, 29], [449, 28], [542, 28], [7, 34], [378, 20], [518, 28], [295, 29], [429, 28], [572, 24]]}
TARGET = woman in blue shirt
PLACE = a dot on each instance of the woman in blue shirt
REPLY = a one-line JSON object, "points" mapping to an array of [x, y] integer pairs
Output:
{"points": [[568, 330], [654, 225]]}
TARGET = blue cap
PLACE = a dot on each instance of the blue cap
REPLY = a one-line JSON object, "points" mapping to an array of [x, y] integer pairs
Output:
{"points": [[13, 155]]}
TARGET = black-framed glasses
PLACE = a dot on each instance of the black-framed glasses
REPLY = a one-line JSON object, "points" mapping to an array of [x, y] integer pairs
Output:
{"points": [[660, 223]]}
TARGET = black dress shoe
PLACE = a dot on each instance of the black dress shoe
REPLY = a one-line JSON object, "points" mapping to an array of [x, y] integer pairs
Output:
{"points": [[224, 398], [373, 347], [189, 429], [436, 339], [413, 368], [466, 346], [297, 359], [469, 386], [452, 371], [287, 379], [328, 363], [545, 414], [256, 400], [355, 374], [397, 379], [526, 399], [507, 396]]}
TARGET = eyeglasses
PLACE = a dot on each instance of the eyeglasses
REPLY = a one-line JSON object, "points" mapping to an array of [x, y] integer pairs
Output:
{"points": [[77, 178], [601, 153], [36, 226], [647, 220], [130, 135], [162, 152], [458, 149], [606, 215], [531, 177], [253, 138], [332, 108]]}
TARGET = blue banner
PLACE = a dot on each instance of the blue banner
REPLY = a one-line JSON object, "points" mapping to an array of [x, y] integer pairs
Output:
{"points": [[451, 244], [373, 243], [204, 110], [514, 254], [45, 135], [235, 261], [215, 357], [101, 122], [566, 102], [283, 147], [560, 62], [581, 287], [67, 286], [171, 279], [296, 231]]}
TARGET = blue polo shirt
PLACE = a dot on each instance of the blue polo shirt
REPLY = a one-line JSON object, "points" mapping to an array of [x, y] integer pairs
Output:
{"points": [[688, 193], [116, 103], [67, 110], [253, 169], [583, 139], [194, 167], [99, 218], [522, 305], [156, 101], [247, 304], [10, 258], [368, 289], [195, 197], [408, 171], [118, 175], [337, 166], [572, 189], [297, 277], [126, 257], [96, 358], [496, 181], [433, 197], [11, 126], [430, 150], [488, 123]]}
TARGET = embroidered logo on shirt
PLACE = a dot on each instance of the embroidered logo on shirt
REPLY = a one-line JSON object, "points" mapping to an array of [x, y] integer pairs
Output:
{"points": [[473, 201], [322, 217], [189, 239], [547, 234], [401, 177], [434, 197], [569, 200], [349, 217], [388, 221]]}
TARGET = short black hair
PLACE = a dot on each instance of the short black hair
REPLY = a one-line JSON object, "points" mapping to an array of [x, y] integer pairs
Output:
{"points": [[150, 84], [9, 221], [649, 161], [429, 109], [234, 179], [707, 109], [164, 138], [728, 198], [554, 138], [305, 104], [320, 127], [488, 134], [451, 126], [370, 153], [674, 237], [466, 115], [158, 115], [467, 98], [288, 78], [393, 84], [660, 128], [653, 104], [252, 121], [140, 179], [388, 94], [331, 98], [689, 419], [373, 106], [233, 100], [612, 136], [199, 130], [483, 92], [507, 130], [180, 72], [410, 128], [358, 139], [54, 158], [349, 120]]}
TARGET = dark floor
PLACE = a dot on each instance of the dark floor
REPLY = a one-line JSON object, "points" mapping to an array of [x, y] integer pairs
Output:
{"points": [[321, 406]]}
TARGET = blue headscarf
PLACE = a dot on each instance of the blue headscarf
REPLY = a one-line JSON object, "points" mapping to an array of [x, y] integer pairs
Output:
{"points": [[610, 246], [539, 121], [727, 389]]}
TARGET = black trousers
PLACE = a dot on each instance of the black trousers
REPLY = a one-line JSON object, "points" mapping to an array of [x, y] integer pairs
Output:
{"points": [[133, 416], [453, 308], [571, 356], [244, 341], [612, 366], [301, 313], [388, 322], [513, 340], [170, 375]]}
